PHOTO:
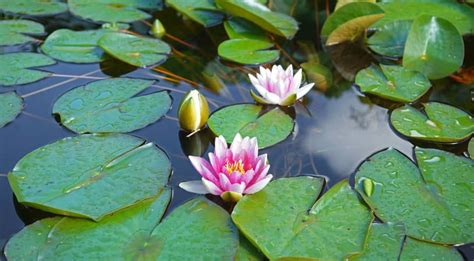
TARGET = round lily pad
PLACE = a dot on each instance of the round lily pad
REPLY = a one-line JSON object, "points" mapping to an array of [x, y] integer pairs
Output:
{"points": [[434, 47], [15, 68], [393, 82], [203, 12], [283, 221], [433, 202], [10, 106], [390, 38], [111, 105], [33, 7], [247, 119], [418, 250], [16, 31], [135, 50], [442, 123], [248, 51], [239, 28], [90, 175], [74, 46]]}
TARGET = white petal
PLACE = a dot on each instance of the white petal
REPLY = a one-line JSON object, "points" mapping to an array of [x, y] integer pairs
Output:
{"points": [[304, 90], [211, 187], [195, 186], [261, 90], [289, 71], [272, 98], [253, 80], [259, 185], [239, 188], [297, 80]]}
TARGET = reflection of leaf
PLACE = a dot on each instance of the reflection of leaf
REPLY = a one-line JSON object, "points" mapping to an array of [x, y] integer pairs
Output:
{"points": [[33, 7], [90, 175], [110, 106], [10, 106], [389, 39], [247, 51], [278, 222], [15, 68], [442, 123], [15, 31], [203, 12], [269, 128], [433, 201], [319, 74]]}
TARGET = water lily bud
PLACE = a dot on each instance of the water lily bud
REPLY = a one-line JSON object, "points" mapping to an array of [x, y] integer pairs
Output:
{"points": [[157, 29], [193, 111]]}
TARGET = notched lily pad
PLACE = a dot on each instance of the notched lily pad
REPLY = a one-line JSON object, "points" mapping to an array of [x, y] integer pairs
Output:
{"points": [[270, 128], [238, 28], [390, 38], [433, 202], [33, 7], [248, 51], [393, 82], [10, 106], [442, 123], [90, 175], [14, 32], [111, 105], [16, 68], [203, 12]]}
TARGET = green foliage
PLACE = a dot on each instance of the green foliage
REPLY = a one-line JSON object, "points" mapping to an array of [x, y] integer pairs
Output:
{"points": [[390, 38], [14, 31], [203, 12], [248, 51], [10, 106], [33, 7], [16, 68]]}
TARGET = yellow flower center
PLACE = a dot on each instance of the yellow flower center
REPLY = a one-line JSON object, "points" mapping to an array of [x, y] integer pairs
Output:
{"points": [[236, 166]]}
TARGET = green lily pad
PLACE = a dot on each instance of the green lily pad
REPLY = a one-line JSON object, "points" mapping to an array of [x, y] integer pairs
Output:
{"points": [[283, 221], [203, 12], [33, 7], [384, 242], [111, 106], [251, 10], [90, 175], [73, 46], [393, 82], [442, 123], [15, 68], [238, 28], [341, 3], [390, 38], [14, 32], [135, 50], [419, 250], [10, 106], [248, 51], [470, 148], [113, 11], [434, 47], [247, 252], [247, 119], [433, 201]]}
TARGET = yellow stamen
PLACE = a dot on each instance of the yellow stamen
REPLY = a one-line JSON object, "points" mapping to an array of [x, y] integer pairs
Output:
{"points": [[236, 166]]}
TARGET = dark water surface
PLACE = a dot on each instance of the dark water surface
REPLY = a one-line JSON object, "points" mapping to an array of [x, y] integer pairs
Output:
{"points": [[335, 131]]}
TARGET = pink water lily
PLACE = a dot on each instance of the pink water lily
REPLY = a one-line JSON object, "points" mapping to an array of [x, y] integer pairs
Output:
{"points": [[231, 172], [279, 86]]}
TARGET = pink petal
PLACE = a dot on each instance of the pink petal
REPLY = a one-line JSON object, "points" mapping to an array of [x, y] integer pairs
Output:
{"points": [[238, 187], [220, 147], [224, 182], [203, 167], [259, 185], [211, 187], [195, 186]]}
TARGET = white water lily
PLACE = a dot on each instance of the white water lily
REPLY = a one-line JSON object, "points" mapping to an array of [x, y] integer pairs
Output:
{"points": [[279, 86]]}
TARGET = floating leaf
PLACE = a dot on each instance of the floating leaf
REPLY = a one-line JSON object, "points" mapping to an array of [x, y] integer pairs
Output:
{"points": [[252, 10], [442, 123], [113, 11], [238, 28], [16, 31], [319, 74], [390, 38], [111, 106], [433, 47], [135, 50], [15, 68], [247, 252], [432, 202], [341, 3], [247, 119], [10, 106], [203, 12], [470, 148], [419, 250], [248, 51], [393, 82], [72, 46], [90, 175], [33, 7], [278, 222], [198, 228]]}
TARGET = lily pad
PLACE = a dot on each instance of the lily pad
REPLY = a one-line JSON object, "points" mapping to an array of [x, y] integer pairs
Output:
{"points": [[393, 82], [442, 123], [135, 50], [390, 38], [252, 10], [15, 68], [10, 106], [90, 175], [111, 106], [33, 7], [433, 201], [203, 12], [74, 46], [248, 51], [198, 228], [434, 47], [247, 252], [419, 250], [113, 11], [470, 148], [282, 221], [247, 119], [14, 32], [238, 28]]}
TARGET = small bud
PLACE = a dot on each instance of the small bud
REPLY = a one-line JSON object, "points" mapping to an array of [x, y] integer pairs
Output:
{"points": [[230, 196], [193, 111], [157, 29], [368, 186]]}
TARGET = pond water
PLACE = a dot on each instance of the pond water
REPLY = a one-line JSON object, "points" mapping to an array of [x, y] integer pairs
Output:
{"points": [[335, 130]]}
